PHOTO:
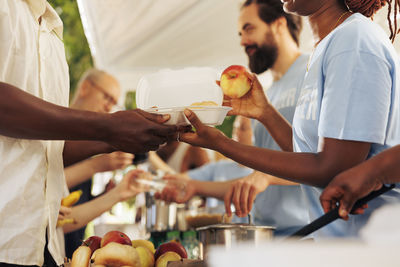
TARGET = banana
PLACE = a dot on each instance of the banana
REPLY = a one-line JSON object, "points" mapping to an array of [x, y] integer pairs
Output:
{"points": [[65, 221], [71, 199]]}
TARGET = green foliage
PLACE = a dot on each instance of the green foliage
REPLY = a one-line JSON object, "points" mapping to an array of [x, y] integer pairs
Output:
{"points": [[76, 46]]}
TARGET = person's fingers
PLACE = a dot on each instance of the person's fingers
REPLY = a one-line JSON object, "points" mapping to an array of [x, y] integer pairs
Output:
{"points": [[346, 203], [218, 82], [227, 98], [64, 211], [184, 128], [158, 118], [236, 199], [358, 211], [329, 197], [164, 131], [252, 198], [169, 177], [189, 138], [227, 201], [127, 156], [244, 196], [194, 120]]}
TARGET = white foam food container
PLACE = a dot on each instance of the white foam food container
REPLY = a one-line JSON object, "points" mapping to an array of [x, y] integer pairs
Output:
{"points": [[178, 88], [209, 115], [171, 91]]}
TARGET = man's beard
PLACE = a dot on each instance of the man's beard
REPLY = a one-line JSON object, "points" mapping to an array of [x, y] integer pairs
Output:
{"points": [[263, 58]]}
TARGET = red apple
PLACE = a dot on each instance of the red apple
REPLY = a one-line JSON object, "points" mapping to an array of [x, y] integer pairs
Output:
{"points": [[92, 242], [170, 246], [235, 81], [117, 237]]}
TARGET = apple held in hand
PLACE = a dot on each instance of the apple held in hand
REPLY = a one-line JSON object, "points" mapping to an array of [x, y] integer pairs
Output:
{"points": [[170, 246], [117, 237], [235, 81]]}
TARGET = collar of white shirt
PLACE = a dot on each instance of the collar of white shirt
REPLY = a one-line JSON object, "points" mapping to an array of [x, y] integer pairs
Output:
{"points": [[41, 8]]}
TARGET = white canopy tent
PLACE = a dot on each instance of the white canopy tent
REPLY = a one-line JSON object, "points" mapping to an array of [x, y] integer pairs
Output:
{"points": [[130, 38]]}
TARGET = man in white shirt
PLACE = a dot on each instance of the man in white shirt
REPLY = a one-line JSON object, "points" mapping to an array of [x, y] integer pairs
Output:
{"points": [[34, 86]]}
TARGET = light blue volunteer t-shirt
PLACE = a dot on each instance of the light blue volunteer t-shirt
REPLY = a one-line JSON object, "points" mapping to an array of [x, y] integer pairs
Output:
{"points": [[351, 92], [283, 207]]}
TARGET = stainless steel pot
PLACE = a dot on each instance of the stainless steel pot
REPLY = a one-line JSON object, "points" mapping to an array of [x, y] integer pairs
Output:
{"points": [[230, 234], [161, 216]]}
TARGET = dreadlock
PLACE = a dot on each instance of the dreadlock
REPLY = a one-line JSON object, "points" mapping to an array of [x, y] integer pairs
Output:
{"points": [[369, 7]]}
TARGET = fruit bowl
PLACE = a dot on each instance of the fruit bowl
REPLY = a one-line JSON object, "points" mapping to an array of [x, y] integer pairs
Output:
{"points": [[209, 115]]}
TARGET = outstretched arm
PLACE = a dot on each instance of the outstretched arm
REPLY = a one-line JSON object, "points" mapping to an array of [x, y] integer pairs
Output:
{"points": [[28, 117], [316, 169], [84, 170], [355, 183], [86, 212]]}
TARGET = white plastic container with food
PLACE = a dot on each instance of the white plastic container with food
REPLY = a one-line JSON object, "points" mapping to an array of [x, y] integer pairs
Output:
{"points": [[171, 91]]}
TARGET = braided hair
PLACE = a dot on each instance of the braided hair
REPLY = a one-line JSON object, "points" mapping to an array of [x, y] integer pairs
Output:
{"points": [[369, 7]]}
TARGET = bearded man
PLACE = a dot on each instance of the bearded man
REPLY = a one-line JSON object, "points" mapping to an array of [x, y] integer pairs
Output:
{"points": [[271, 40]]}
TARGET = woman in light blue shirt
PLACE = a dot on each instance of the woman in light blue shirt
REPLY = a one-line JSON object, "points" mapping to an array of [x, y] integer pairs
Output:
{"points": [[348, 109]]}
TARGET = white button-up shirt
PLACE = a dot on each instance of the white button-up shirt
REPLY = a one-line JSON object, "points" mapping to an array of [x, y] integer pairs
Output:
{"points": [[32, 58]]}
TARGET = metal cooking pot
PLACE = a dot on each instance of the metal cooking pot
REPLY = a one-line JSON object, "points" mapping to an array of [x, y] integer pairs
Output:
{"points": [[161, 216], [230, 234]]}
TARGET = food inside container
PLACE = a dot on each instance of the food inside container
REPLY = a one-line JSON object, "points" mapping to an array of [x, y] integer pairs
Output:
{"points": [[206, 216]]}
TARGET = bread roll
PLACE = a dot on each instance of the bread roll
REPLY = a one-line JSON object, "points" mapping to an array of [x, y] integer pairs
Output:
{"points": [[117, 255]]}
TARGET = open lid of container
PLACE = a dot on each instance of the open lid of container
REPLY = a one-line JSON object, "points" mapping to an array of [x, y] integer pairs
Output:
{"points": [[178, 88]]}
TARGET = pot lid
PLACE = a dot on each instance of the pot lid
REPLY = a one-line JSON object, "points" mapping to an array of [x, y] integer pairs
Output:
{"points": [[243, 226]]}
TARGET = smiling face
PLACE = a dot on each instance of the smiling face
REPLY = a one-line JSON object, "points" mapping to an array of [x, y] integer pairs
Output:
{"points": [[258, 39], [303, 7]]}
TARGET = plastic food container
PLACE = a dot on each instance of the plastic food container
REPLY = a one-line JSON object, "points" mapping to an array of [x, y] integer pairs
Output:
{"points": [[171, 91], [211, 116]]}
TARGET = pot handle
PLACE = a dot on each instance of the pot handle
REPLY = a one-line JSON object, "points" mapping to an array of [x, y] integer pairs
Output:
{"points": [[250, 219], [334, 214]]}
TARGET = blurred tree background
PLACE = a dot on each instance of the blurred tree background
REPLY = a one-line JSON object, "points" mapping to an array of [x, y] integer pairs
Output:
{"points": [[76, 46]]}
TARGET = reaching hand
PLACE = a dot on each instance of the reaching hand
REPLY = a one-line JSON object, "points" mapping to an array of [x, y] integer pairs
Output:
{"points": [[242, 193], [205, 136], [251, 105], [128, 188], [63, 212], [137, 131], [177, 190], [114, 161], [346, 188]]}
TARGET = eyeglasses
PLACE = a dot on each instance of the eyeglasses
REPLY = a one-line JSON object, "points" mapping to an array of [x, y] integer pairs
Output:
{"points": [[109, 98]]}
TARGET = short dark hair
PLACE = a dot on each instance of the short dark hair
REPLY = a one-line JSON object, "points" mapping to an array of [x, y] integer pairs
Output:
{"points": [[271, 10]]}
